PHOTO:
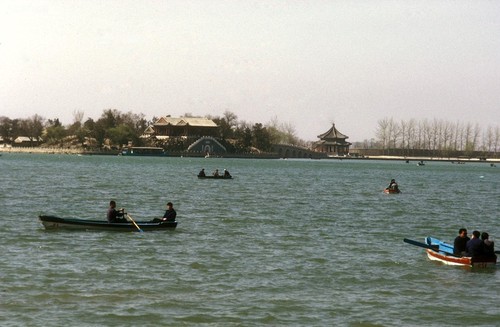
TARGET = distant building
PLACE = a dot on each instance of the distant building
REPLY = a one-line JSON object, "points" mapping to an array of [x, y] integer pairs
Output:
{"points": [[182, 127], [25, 141], [332, 142]]}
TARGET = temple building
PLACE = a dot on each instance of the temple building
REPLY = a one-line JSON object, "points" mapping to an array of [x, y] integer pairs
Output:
{"points": [[332, 142], [182, 127]]}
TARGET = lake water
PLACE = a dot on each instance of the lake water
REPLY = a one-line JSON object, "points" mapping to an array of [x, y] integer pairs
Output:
{"points": [[285, 243]]}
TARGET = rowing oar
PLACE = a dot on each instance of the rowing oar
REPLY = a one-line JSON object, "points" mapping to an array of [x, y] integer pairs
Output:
{"points": [[133, 222], [422, 245], [432, 247]]}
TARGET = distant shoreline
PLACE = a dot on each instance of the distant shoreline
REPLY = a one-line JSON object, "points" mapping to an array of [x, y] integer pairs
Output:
{"points": [[38, 150]]}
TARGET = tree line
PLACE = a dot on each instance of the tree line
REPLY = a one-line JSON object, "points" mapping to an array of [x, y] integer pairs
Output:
{"points": [[438, 137], [115, 129]]}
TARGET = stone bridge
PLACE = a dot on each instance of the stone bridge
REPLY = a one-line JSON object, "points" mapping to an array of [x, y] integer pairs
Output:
{"points": [[292, 151]]}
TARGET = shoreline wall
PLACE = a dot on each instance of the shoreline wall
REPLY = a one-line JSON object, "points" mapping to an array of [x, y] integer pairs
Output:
{"points": [[41, 150]]}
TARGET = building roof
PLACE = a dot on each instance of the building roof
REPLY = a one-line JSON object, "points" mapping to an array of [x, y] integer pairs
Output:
{"points": [[332, 133], [21, 139], [184, 121]]}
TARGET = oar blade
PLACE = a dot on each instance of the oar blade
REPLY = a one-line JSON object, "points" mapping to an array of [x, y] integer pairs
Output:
{"points": [[420, 244], [133, 222]]}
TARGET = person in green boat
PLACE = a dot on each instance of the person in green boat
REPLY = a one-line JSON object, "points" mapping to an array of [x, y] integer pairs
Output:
{"points": [[170, 214], [115, 216]]}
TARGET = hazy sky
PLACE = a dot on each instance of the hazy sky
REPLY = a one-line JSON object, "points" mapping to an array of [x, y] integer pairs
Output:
{"points": [[307, 63]]}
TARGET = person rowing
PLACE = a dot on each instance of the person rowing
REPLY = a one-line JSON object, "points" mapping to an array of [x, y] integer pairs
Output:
{"points": [[115, 216], [393, 186]]}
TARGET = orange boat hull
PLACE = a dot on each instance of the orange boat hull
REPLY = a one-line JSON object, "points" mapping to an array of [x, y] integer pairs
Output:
{"points": [[461, 261]]}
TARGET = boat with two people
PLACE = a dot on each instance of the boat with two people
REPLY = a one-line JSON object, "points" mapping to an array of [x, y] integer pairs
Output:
{"points": [[53, 222]]}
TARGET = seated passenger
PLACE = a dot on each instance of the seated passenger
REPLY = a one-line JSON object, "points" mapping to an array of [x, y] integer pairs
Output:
{"points": [[488, 246], [459, 245], [474, 246], [202, 173], [216, 173], [170, 214], [227, 174]]}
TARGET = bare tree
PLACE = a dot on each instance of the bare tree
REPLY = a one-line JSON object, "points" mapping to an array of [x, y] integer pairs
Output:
{"points": [[476, 132], [78, 117], [394, 131], [489, 139], [411, 128], [496, 141], [383, 132], [447, 135]]}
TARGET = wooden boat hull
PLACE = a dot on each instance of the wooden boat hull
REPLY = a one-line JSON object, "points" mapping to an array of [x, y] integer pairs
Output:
{"points": [[389, 191], [460, 261], [215, 177], [52, 222]]}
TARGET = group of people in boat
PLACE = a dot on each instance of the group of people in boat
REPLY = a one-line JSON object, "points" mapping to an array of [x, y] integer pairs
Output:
{"points": [[215, 173], [119, 215], [479, 245]]}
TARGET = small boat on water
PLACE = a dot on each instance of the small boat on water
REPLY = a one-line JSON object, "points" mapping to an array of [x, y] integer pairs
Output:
{"points": [[52, 222], [391, 191], [443, 252]]}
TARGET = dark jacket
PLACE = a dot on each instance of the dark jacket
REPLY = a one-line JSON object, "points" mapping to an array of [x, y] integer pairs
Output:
{"points": [[474, 247], [113, 215], [459, 246], [170, 215], [488, 248]]}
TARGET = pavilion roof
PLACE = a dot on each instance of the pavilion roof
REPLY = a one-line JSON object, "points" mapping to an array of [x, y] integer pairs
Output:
{"points": [[332, 133], [184, 121]]}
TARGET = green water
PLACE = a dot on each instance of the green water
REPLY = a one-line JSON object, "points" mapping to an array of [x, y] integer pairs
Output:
{"points": [[285, 243]]}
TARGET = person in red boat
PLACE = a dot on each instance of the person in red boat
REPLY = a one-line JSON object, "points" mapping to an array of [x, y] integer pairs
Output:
{"points": [[488, 245], [474, 246], [393, 186], [459, 245]]}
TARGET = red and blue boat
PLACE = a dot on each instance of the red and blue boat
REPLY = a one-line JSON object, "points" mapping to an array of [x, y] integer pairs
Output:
{"points": [[438, 250]]}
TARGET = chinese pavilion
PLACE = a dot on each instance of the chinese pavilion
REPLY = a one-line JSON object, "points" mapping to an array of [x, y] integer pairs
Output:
{"points": [[332, 142]]}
